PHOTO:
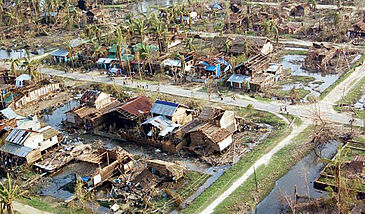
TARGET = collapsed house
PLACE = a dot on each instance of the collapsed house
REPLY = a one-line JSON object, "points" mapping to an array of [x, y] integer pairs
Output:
{"points": [[215, 66], [256, 64], [32, 93], [357, 30], [96, 167], [300, 10], [290, 28], [176, 65], [26, 145], [170, 171], [93, 109], [211, 132], [319, 57], [23, 80], [250, 47]]}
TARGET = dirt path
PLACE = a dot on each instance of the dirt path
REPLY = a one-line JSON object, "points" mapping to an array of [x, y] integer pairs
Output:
{"points": [[345, 87], [25, 209], [263, 160]]}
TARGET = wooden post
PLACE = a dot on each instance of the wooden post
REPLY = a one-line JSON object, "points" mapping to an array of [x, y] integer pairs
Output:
{"points": [[107, 157], [254, 172]]}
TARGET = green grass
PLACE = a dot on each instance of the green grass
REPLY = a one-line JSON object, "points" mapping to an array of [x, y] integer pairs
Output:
{"points": [[304, 79], [342, 77], [286, 93], [351, 98], [40, 204], [294, 52], [280, 164], [224, 182]]}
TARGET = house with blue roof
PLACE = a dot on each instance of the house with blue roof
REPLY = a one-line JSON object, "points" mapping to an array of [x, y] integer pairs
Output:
{"points": [[216, 67]]}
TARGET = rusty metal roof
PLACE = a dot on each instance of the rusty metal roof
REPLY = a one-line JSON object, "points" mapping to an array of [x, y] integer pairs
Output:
{"points": [[137, 106]]}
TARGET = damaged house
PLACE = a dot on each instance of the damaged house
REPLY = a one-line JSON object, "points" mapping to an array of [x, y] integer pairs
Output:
{"points": [[35, 92], [97, 166], [357, 30], [94, 106], [27, 146], [250, 47], [256, 64], [301, 10], [211, 132], [175, 112], [215, 66], [319, 57], [169, 170]]}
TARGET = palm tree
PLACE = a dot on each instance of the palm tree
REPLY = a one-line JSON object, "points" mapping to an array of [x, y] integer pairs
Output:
{"points": [[71, 54], [145, 53], [98, 50], [14, 63], [140, 26], [337, 163], [9, 193], [190, 45], [30, 65], [119, 46]]}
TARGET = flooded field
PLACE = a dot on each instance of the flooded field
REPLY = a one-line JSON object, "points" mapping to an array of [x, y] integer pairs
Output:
{"points": [[301, 176], [321, 82]]}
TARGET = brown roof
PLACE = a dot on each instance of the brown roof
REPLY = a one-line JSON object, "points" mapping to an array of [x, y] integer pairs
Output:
{"points": [[215, 133], [137, 106], [90, 96], [110, 107], [83, 111]]}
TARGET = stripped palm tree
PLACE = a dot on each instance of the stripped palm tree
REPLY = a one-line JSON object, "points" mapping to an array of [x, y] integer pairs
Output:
{"points": [[14, 63], [9, 192], [30, 66]]}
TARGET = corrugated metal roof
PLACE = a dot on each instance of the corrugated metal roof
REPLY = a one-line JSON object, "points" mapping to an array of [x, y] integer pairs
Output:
{"points": [[8, 113], [162, 123], [238, 78], [60, 52], [17, 136], [137, 106], [164, 108], [14, 149]]}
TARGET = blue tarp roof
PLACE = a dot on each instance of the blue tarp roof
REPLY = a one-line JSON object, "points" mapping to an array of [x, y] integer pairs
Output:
{"points": [[164, 108], [238, 78]]}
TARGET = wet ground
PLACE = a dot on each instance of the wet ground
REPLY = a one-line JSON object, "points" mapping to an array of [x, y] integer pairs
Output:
{"points": [[322, 81], [302, 176]]}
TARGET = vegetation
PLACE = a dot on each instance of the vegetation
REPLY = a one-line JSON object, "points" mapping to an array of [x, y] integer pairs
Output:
{"points": [[342, 77], [223, 183], [245, 198], [9, 192]]}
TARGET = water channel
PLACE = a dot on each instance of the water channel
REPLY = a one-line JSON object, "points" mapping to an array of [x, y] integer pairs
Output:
{"points": [[302, 176]]}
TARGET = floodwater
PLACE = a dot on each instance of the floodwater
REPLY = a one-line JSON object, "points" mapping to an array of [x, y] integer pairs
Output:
{"points": [[321, 82], [148, 5], [55, 118], [302, 176], [360, 104]]}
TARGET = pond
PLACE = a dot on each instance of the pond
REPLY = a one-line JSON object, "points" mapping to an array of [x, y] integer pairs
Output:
{"points": [[302, 176], [322, 81], [146, 5]]}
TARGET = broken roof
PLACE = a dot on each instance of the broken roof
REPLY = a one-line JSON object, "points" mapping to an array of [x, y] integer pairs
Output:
{"points": [[60, 53], [18, 136], [238, 78], [176, 170], [213, 132], [90, 96], [162, 123], [17, 150], [164, 108]]}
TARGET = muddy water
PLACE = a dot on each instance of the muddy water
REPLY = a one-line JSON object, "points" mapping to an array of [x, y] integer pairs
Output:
{"points": [[301, 175], [148, 5], [55, 118], [295, 63]]}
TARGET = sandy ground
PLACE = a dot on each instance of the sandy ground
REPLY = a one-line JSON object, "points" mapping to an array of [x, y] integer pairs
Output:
{"points": [[25, 209], [37, 106]]}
